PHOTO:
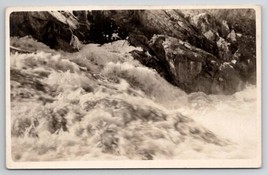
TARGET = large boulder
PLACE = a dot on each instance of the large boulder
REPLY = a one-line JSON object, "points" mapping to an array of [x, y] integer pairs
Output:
{"points": [[191, 68], [186, 47], [59, 30], [186, 62]]}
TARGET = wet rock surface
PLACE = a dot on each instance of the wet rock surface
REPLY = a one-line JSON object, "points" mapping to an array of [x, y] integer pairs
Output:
{"points": [[190, 50]]}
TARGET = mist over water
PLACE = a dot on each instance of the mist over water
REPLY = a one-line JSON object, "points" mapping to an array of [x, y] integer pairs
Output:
{"points": [[100, 103]]}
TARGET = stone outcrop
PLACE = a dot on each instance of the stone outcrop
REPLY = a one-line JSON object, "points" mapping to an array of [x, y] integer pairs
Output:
{"points": [[189, 67], [54, 29], [213, 51]]}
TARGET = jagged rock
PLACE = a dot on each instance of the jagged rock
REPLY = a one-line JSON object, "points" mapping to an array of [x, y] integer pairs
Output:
{"points": [[232, 36], [187, 63], [186, 49], [193, 69], [55, 29], [225, 30], [210, 36], [166, 22], [224, 51], [218, 32], [205, 22]]}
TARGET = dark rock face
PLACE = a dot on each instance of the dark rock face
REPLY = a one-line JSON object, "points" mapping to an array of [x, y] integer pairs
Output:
{"points": [[190, 68], [165, 22], [188, 63], [54, 29], [213, 51]]}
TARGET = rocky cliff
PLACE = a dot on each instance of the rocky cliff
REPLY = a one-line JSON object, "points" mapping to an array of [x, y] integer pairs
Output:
{"points": [[213, 51]]}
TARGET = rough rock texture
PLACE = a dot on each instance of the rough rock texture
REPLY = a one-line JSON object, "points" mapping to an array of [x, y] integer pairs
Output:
{"points": [[55, 29], [189, 67], [166, 22], [238, 30], [213, 51]]}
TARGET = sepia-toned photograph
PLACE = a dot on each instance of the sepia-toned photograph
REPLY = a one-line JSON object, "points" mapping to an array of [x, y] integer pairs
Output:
{"points": [[133, 87]]}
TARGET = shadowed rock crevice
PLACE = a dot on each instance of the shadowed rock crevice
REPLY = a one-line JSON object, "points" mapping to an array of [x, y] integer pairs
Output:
{"points": [[213, 51]]}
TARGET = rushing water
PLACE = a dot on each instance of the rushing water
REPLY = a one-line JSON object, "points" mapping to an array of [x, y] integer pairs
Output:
{"points": [[100, 103]]}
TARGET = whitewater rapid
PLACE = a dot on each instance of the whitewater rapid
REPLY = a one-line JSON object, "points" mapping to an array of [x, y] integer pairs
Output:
{"points": [[100, 103]]}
